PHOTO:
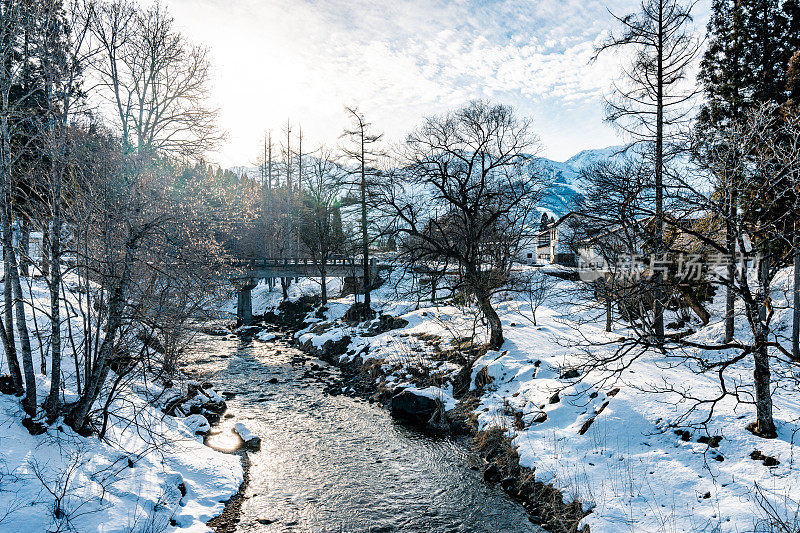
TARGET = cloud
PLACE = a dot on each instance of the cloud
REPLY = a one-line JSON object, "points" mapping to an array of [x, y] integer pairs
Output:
{"points": [[400, 60]]}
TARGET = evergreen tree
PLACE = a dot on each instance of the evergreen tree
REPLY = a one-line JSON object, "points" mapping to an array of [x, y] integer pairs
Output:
{"points": [[744, 69], [722, 72], [723, 77]]}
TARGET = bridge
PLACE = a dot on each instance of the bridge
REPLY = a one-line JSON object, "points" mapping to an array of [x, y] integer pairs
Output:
{"points": [[303, 268], [248, 273]]}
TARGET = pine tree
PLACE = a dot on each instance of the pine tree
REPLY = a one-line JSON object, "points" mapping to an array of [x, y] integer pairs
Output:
{"points": [[746, 67], [723, 77]]}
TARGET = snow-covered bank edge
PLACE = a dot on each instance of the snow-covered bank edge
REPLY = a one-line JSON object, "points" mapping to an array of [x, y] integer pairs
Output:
{"points": [[150, 472], [229, 518]]}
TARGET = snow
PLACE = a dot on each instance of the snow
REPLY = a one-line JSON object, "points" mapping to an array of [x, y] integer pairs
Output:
{"points": [[265, 336], [244, 433], [609, 444], [150, 472], [197, 423], [436, 393]]}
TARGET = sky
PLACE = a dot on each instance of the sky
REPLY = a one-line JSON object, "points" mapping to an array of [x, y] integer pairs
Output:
{"points": [[401, 60]]}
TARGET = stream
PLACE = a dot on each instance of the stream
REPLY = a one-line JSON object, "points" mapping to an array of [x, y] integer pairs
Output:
{"points": [[336, 463]]}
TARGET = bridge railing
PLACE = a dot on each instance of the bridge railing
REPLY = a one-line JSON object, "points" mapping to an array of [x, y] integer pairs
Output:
{"points": [[297, 261]]}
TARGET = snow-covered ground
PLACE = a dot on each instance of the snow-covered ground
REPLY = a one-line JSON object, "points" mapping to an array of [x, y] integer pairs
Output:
{"points": [[629, 466], [151, 473]]}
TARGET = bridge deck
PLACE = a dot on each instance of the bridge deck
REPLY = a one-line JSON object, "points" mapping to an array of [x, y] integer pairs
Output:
{"points": [[302, 268]]}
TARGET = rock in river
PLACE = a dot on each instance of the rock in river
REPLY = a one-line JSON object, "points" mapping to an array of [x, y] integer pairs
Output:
{"points": [[251, 440], [413, 407]]}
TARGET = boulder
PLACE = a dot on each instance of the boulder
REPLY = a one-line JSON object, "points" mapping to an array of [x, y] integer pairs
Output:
{"points": [[383, 324], [197, 424], [7, 385], [251, 440], [413, 407], [509, 485], [215, 331], [571, 373], [539, 417], [330, 349], [492, 473], [247, 331], [358, 312]]}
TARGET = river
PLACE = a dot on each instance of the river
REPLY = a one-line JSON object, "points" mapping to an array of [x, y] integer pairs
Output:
{"points": [[335, 463]]}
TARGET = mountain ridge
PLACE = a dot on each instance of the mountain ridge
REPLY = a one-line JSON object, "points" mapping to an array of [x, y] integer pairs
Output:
{"points": [[563, 177]]}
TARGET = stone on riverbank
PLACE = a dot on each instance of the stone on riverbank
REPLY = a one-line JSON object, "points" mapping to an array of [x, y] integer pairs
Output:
{"points": [[329, 349], [413, 407], [198, 424]]}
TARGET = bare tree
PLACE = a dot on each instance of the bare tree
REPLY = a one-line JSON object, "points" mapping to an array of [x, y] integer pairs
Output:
{"points": [[9, 29], [465, 198], [614, 219], [535, 287], [318, 231], [363, 152], [16, 16], [155, 81], [764, 248], [65, 53], [649, 103], [150, 249]]}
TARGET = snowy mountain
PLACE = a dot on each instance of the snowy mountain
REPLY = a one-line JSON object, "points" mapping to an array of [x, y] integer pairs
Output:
{"points": [[564, 177]]}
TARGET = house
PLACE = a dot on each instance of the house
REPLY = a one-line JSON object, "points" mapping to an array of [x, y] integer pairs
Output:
{"points": [[582, 239], [35, 243], [555, 238]]}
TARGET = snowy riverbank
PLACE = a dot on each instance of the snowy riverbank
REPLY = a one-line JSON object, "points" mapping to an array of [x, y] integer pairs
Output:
{"points": [[609, 445], [151, 472]]}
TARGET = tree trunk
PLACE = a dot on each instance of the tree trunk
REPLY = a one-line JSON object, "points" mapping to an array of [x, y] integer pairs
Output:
{"points": [[796, 299], [77, 417], [324, 290], [11, 359], [495, 325], [29, 403], [45, 256], [25, 247], [658, 306], [730, 296], [364, 229], [765, 425], [5, 207], [53, 404], [285, 288], [13, 298]]}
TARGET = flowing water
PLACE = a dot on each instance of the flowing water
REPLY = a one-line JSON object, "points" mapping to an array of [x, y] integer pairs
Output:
{"points": [[337, 463]]}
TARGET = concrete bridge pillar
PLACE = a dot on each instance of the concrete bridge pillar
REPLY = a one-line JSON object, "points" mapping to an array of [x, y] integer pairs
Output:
{"points": [[244, 304]]}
